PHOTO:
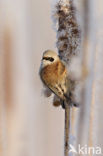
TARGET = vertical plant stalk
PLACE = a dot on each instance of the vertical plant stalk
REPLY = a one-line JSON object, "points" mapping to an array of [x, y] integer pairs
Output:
{"points": [[67, 130], [68, 44]]}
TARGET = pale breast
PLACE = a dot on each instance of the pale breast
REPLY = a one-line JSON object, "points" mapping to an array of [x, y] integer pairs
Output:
{"points": [[49, 74]]}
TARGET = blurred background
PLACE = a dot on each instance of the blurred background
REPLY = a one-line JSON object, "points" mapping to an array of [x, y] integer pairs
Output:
{"points": [[29, 124]]}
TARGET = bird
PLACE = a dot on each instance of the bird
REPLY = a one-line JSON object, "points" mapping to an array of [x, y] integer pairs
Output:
{"points": [[54, 75]]}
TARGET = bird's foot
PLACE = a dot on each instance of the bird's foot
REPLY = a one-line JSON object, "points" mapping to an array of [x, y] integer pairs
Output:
{"points": [[70, 103]]}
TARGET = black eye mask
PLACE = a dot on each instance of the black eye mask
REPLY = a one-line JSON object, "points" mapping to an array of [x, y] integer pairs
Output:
{"points": [[48, 58]]}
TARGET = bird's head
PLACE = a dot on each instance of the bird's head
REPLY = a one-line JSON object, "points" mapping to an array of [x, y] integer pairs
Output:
{"points": [[49, 57]]}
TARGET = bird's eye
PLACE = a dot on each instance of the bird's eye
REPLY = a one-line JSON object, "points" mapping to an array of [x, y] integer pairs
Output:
{"points": [[48, 58], [51, 59]]}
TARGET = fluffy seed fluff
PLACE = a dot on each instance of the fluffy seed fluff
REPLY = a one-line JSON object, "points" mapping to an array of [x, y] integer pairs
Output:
{"points": [[68, 37], [68, 30]]}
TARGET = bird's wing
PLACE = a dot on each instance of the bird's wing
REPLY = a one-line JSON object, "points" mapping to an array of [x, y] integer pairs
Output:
{"points": [[61, 69], [57, 90]]}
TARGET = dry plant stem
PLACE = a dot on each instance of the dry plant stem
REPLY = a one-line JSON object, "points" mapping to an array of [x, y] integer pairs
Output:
{"points": [[67, 130]]}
